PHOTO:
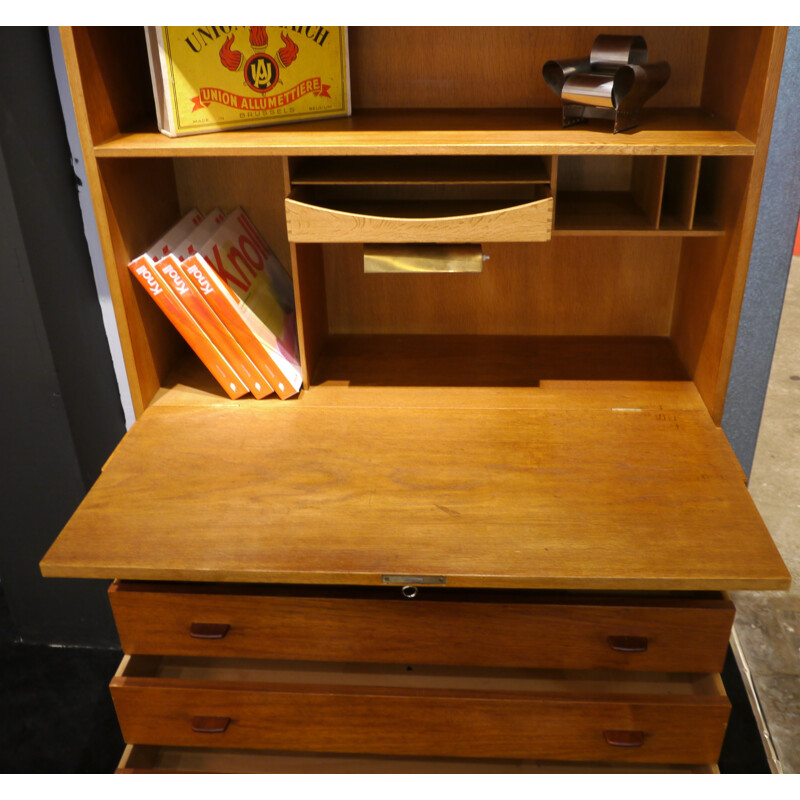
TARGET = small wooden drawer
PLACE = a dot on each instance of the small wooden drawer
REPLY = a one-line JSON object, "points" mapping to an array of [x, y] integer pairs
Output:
{"points": [[439, 626], [422, 711], [342, 215], [153, 759]]}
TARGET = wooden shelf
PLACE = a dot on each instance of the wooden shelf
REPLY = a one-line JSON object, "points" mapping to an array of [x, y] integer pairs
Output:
{"points": [[417, 132], [615, 214], [472, 371]]}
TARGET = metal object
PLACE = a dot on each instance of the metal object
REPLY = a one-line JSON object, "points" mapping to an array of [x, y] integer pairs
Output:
{"points": [[423, 258], [422, 580], [409, 591], [614, 82]]}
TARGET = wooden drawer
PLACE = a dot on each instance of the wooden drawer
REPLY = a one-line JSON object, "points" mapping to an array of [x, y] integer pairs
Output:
{"points": [[489, 628], [153, 759], [420, 711], [339, 216]]}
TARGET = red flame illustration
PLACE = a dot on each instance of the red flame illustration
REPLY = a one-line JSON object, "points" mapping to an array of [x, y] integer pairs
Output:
{"points": [[289, 53], [231, 59], [258, 37]]}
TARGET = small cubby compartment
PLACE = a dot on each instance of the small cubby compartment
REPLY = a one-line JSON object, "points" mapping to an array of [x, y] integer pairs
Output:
{"points": [[609, 193], [680, 192]]}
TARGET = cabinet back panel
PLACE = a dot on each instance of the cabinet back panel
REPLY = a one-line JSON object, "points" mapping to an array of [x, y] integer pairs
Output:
{"points": [[256, 184], [581, 287], [472, 67]]}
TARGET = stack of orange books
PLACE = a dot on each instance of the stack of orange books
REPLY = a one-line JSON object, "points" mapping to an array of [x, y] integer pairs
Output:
{"points": [[230, 298]]}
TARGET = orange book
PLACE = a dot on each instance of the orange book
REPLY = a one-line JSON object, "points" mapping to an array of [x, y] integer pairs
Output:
{"points": [[255, 283], [204, 315], [158, 288], [237, 318]]}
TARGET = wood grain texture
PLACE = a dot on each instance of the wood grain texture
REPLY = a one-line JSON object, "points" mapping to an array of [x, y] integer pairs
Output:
{"points": [[713, 273], [457, 628], [451, 132], [254, 184], [469, 67], [353, 373], [150, 759], [617, 286], [114, 73], [680, 192], [424, 222], [503, 498], [565, 722]]}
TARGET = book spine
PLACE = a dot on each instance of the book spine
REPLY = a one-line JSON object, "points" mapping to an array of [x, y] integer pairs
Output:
{"points": [[193, 299], [157, 287], [228, 308]]}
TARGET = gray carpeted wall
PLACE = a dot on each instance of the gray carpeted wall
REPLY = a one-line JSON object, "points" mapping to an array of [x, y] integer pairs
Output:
{"points": [[769, 266]]}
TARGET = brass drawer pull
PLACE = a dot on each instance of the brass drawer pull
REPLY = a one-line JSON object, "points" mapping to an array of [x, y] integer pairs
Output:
{"points": [[208, 630], [628, 644], [210, 724], [624, 738]]}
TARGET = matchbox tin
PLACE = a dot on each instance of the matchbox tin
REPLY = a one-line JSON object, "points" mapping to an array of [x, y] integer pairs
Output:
{"points": [[214, 78]]}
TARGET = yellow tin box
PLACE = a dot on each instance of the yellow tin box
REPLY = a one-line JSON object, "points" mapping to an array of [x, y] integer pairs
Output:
{"points": [[223, 77]]}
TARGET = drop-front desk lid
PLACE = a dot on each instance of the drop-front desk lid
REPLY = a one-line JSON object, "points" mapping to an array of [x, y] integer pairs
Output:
{"points": [[603, 495]]}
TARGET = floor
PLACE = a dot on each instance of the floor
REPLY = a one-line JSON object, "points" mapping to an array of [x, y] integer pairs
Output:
{"points": [[768, 623]]}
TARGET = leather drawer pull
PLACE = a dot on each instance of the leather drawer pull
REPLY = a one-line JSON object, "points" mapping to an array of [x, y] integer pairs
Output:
{"points": [[624, 738], [628, 644], [210, 724], [208, 630]]}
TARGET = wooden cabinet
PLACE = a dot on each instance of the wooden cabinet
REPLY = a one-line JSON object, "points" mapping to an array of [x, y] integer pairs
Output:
{"points": [[534, 449]]}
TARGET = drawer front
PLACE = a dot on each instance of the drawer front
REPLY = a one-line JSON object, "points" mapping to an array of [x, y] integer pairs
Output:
{"points": [[439, 722], [523, 222], [153, 759], [437, 627]]}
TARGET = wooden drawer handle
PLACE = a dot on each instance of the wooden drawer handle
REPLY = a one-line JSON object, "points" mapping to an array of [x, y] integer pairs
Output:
{"points": [[624, 738], [628, 644], [210, 724], [208, 630]]}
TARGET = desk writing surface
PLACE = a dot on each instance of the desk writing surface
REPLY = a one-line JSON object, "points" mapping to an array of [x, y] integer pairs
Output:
{"points": [[290, 492]]}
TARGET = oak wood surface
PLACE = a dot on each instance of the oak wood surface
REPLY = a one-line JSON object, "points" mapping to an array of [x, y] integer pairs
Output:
{"points": [[418, 221], [349, 713], [292, 493], [484, 67], [615, 286], [452, 132], [352, 374], [463, 628]]}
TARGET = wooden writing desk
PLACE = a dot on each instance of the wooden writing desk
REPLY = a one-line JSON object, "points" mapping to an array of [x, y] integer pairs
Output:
{"points": [[534, 450]]}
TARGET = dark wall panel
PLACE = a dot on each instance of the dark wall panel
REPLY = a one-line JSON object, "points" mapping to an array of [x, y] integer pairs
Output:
{"points": [[60, 413]]}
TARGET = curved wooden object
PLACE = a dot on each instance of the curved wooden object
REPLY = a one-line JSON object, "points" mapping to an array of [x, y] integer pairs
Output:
{"points": [[523, 222]]}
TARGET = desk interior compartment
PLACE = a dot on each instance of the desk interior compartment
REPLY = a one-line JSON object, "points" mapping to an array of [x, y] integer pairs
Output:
{"points": [[152, 759]]}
